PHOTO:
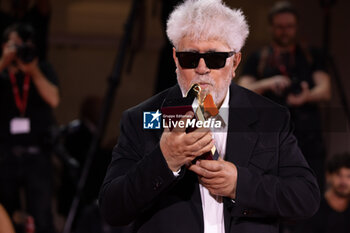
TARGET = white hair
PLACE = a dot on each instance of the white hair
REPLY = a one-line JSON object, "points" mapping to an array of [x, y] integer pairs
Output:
{"points": [[208, 19]]}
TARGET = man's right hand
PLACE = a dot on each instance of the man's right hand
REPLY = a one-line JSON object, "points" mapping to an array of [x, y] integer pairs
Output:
{"points": [[8, 55], [180, 148], [278, 84]]}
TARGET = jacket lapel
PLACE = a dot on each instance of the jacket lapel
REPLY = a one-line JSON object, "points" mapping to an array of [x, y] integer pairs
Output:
{"points": [[173, 93], [196, 202], [241, 137]]}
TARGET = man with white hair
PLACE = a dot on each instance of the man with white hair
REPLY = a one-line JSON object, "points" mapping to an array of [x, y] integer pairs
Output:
{"points": [[157, 180]]}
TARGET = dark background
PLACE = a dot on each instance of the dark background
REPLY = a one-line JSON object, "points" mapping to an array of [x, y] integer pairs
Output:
{"points": [[85, 35]]}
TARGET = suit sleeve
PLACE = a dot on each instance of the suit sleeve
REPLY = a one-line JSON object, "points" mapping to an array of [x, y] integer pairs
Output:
{"points": [[291, 193], [133, 180]]}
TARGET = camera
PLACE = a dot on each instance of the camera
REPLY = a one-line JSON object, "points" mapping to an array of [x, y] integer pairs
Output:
{"points": [[26, 52], [295, 87]]}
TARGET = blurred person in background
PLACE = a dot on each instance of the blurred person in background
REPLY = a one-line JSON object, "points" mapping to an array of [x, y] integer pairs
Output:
{"points": [[333, 215], [91, 221], [295, 76], [33, 12], [76, 136], [28, 93]]}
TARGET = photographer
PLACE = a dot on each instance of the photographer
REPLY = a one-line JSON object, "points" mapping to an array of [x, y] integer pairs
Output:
{"points": [[36, 13], [292, 75], [28, 93]]}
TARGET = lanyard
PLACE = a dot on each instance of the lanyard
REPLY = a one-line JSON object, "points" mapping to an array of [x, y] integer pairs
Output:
{"points": [[280, 64], [21, 103]]}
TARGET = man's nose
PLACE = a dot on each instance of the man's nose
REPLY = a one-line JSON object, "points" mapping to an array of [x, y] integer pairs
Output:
{"points": [[202, 67]]}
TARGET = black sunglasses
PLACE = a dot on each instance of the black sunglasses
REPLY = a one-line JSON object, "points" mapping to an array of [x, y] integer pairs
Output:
{"points": [[213, 60]]}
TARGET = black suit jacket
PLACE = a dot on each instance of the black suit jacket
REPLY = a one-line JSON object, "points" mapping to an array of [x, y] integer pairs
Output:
{"points": [[274, 181]]}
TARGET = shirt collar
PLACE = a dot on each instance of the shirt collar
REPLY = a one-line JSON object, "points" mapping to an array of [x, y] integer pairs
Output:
{"points": [[226, 100], [224, 109]]}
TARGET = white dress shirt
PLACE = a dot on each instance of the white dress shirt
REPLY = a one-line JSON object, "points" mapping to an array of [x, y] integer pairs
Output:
{"points": [[212, 205]]}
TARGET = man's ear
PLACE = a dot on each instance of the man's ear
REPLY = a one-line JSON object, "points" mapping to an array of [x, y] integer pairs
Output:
{"points": [[174, 56], [236, 60]]}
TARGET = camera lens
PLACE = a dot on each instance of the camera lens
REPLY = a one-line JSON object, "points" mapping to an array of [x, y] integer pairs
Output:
{"points": [[26, 53]]}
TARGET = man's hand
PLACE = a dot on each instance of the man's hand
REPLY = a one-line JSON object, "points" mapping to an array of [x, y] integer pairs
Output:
{"points": [[301, 98], [48, 91], [278, 84], [31, 68], [8, 55], [219, 177], [180, 148]]}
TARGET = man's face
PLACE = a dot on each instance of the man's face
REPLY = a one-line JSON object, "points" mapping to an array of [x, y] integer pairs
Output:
{"points": [[340, 182], [284, 29], [213, 81], [15, 39]]}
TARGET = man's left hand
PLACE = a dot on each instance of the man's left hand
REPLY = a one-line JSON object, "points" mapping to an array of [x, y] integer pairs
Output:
{"points": [[301, 98], [29, 68], [219, 177]]}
